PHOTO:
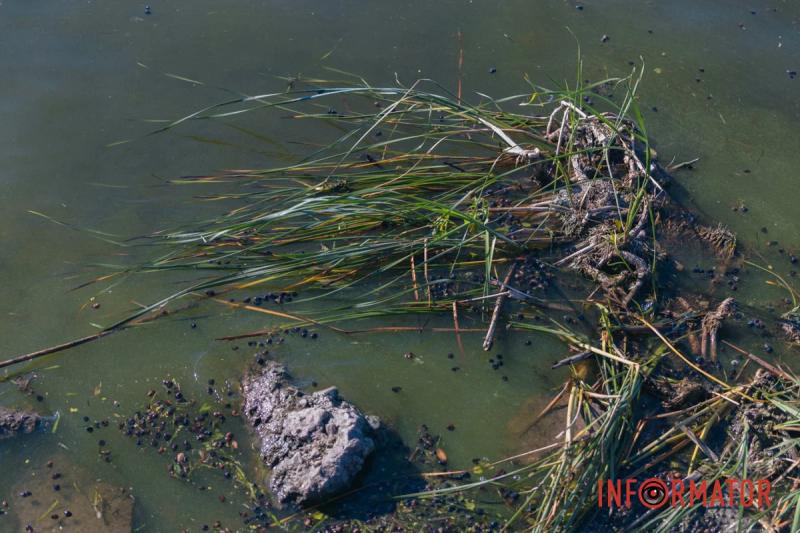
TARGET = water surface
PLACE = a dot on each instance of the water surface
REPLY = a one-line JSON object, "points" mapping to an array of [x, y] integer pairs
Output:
{"points": [[80, 75]]}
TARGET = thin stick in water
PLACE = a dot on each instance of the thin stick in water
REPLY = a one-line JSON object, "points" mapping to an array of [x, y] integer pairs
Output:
{"points": [[489, 340], [414, 279], [458, 332]]}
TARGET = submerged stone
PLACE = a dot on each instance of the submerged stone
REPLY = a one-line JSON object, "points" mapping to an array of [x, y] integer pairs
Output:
{"points": [[315, 444], [13, 422]]}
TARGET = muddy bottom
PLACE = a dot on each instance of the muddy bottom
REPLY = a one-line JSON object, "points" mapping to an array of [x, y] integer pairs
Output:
{"points": [[60, 496]]}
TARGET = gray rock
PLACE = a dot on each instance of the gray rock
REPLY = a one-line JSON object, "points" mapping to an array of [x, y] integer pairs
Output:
{"points": [[315, 444], [13, 422]]}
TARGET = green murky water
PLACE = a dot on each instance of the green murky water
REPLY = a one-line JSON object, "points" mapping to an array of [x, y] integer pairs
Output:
{"points": [[77, 76]]}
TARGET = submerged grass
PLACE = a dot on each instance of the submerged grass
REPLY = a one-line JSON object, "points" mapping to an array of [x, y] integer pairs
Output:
{"points": [[421, 187]]}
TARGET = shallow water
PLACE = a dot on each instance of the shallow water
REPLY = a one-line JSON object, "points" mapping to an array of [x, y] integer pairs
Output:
{"points": [[80, 75]]}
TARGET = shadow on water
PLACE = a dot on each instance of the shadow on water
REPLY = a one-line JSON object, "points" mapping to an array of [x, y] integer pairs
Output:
{"points": [[387, 474]]}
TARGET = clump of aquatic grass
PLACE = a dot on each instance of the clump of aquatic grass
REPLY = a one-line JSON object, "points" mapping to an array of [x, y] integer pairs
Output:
{"points": [[424, 202], [759, 444], [561, 486], [744, 430], [558, 488]]}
